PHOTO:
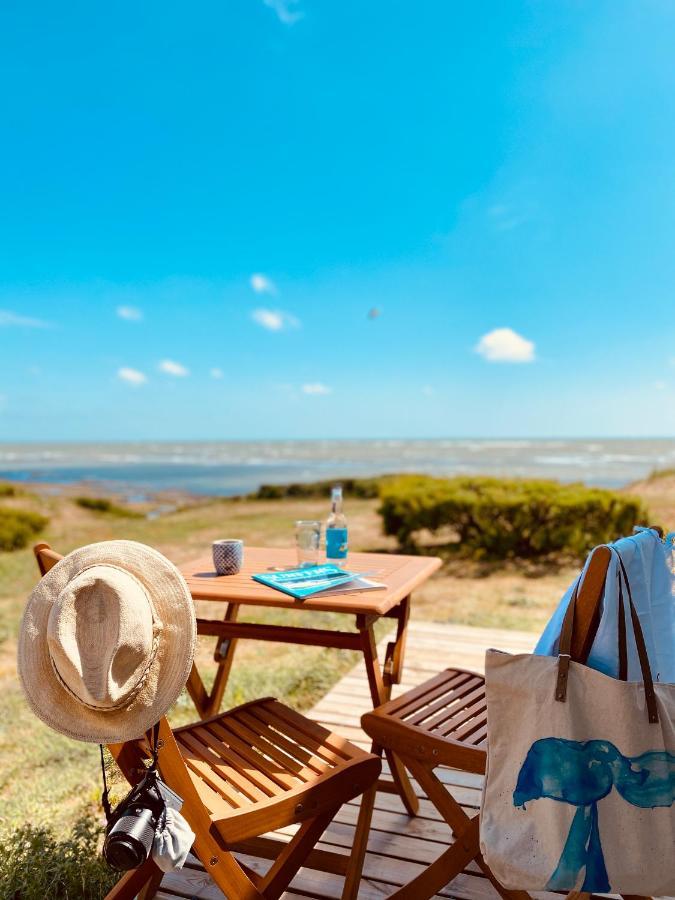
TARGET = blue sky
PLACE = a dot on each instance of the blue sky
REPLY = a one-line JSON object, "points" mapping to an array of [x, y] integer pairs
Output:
{"points": [[202, 203]]}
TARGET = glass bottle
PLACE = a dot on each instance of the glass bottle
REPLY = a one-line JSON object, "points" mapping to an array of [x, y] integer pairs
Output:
{"points": [[336, 530]]}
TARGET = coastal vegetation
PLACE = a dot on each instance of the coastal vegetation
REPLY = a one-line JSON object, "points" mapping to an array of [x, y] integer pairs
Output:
{"points": [[482, 517], [500, 518], [363, 488]]}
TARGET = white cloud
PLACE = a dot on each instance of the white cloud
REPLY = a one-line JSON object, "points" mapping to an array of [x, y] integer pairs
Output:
{"points": [[169, 367], [130, 313], [261, 284], [286, 10], [660, 385], [216, 373], [8, 318], [274, 319], [131, 376], [505, 345], [428, 390], [316, 388]]}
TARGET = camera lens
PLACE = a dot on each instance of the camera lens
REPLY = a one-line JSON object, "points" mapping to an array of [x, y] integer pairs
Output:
{"points": [[129, 841]]}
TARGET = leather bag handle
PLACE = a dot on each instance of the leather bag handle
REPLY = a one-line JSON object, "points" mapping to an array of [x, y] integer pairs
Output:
{"points": [[565, 644]]}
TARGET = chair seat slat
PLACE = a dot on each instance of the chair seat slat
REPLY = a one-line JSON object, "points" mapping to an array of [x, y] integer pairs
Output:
{"points": [[290, 730], [218, 763], [433, 716], [467, 722], [411, 701], [288, 770], [396, 706], [255, 757], [259, 782], [208, 774], [479, 737], [325, 739], [293, 749]]}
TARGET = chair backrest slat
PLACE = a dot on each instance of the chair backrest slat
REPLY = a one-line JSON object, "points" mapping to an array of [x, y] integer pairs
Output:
{"points": [[587, 612], [46, 557]]}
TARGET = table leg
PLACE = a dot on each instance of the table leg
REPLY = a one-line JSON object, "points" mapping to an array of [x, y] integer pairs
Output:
{"points": [[224, 656], [380, 693], [205, 703], [393, 658], [197, 691]]}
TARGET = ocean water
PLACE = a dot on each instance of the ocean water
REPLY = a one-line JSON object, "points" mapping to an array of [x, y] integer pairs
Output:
{"points": [[235, 467]]}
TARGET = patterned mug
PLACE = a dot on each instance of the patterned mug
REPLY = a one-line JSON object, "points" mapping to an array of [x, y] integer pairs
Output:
{"points": [[228, 556]]}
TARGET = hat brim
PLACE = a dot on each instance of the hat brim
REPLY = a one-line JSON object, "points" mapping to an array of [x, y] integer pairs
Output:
{"points": [[168, 672]]}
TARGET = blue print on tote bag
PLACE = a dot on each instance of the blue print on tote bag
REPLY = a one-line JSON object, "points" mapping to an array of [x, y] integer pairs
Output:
{"points": [[581, 773]]}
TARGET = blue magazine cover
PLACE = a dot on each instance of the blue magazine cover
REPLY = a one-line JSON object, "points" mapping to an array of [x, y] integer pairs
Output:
{"points": [[309, 580]]}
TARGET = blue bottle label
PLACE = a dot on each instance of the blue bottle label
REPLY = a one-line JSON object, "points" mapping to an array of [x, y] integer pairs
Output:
{"points": [[336, 543]]}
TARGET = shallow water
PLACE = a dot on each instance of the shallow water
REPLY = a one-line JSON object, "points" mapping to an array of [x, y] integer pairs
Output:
{"points": [[233, 467]]}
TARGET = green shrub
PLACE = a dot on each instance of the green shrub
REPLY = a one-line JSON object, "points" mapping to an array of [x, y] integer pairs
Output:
{"points": [[362, 488], [501, 518], [18, 527], [8, 490], [103, 505], [36, 864]]}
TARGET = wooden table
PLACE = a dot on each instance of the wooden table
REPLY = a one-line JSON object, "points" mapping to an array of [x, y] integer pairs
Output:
{"points": [[401, 574]]}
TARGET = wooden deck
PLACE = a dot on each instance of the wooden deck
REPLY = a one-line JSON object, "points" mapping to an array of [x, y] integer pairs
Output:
{"points": [[399, 847]]}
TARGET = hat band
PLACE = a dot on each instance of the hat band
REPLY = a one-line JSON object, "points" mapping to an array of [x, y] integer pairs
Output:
{"points": [[128, 700]]}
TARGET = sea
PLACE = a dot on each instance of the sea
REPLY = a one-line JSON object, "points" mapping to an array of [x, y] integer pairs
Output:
{"points": [[138, 470]]}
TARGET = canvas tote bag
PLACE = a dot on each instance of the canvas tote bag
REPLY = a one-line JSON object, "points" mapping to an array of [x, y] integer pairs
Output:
{"points": [[580, 778]]}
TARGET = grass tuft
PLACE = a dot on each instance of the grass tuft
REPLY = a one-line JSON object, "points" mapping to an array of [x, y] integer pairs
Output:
{"points": [[103, 505], [18, 527]]}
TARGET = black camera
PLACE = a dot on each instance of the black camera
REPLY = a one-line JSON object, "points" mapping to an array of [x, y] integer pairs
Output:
{"points": [[133, 824]]}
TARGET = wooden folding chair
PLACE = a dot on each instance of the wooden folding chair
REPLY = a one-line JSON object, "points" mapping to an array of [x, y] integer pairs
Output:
{"points": [[443, 722], [241, 774]]}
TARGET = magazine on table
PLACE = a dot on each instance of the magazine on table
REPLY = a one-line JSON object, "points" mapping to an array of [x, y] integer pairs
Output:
{"points": [[327, 580]]}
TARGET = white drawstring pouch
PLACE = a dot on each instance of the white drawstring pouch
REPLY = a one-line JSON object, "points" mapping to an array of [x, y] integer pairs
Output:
{"points": [[173, 840]]}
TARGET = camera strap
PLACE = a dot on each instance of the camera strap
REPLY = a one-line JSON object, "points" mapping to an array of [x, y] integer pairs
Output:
{"points": [[105, 799], [105, 796]]}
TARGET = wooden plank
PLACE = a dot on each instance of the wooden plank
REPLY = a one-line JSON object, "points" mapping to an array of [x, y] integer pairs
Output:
{"points": [[280, 634]]}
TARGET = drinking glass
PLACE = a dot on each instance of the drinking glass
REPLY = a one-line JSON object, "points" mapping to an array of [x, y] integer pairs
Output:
{"points": [[308, 541]]}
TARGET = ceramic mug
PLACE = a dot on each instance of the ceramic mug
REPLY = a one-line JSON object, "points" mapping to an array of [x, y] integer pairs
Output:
{"points": [[228, 556]]}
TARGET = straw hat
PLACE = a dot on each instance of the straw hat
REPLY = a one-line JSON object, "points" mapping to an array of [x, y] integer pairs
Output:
{"points": [[107, 641]]}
